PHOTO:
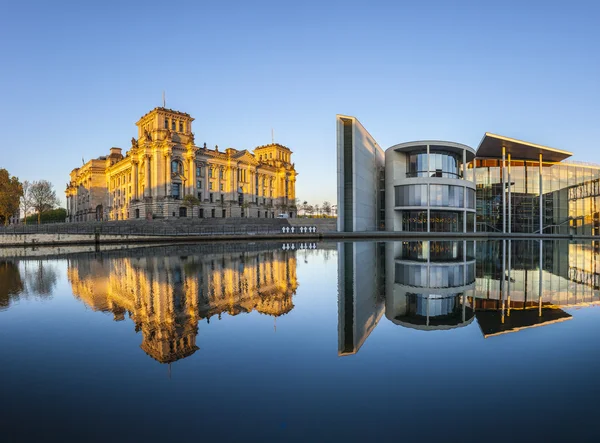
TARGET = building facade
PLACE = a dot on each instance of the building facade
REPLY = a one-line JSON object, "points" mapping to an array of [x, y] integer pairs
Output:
{"points": [[163, 166], [503, 186]]}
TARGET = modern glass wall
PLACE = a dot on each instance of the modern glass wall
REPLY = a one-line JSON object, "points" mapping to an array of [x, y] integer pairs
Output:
{"points": [[446, 221], [447, 195], [441, 163], [570, 197], [411, 195], [414, 221]]}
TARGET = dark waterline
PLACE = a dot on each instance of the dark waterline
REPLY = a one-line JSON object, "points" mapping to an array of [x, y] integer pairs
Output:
{"points": [[269, 343]]}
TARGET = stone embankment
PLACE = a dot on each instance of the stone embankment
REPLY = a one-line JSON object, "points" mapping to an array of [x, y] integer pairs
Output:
{"points": [[163, 231]]}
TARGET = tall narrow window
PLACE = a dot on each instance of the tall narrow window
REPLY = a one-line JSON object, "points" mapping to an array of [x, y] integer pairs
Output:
{"points": [[180, 126], [166, 123], [173, 125]]}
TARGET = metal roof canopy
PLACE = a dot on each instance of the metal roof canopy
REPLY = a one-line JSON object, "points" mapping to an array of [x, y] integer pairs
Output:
{"points": [[491, 146]]}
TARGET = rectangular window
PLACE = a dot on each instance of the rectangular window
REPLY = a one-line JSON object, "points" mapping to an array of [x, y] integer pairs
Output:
{"points": [[180, 126], [224, 213], [210, 172], [197, 171], [173, 125], [199, 185], [222, 198], [211, 197], [166, 123], [175, 190], [212, 212], [200, 196], [210, 185], [222, 187], [201, 213]]}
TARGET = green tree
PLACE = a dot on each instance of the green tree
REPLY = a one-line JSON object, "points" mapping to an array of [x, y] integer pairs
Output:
{"points": [[58, 215], [43, 197], [190, 201], [11, 191]]}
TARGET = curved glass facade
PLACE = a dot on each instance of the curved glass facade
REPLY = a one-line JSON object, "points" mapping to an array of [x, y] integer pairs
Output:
{"points": [[446, 221], [441, 163], [434, 276], [414, 221], [411, 195], [447, 195], [439, 195]]}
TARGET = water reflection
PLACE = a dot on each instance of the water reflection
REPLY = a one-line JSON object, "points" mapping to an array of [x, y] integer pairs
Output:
{"points": [[507, 286], [167, 293], [428, 282], [502, 286], [24, 278]]}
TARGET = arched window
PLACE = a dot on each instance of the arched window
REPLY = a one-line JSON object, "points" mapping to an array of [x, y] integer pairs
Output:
{"points": [[176, 167]]}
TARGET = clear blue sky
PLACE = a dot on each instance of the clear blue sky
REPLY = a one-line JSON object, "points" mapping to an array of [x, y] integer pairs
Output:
{"points": [[76, 76]]}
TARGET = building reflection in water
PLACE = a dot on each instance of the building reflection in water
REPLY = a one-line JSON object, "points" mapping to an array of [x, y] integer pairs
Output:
{"points": [[428, 282], [506, 285], [360, 288], [168, 292]]}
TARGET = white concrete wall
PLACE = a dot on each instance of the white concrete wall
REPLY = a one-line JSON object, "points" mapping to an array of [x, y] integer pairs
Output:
{"points": [[367, 159], [395, 172]]}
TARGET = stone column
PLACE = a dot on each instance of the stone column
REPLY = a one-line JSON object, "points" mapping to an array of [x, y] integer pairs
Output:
{"points": [[147, 183], [192, 176], [167, 158], [135, 180], [205, 180]]}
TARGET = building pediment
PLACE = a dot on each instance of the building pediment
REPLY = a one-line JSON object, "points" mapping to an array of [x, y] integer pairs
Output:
{"points": [[245, 157]]}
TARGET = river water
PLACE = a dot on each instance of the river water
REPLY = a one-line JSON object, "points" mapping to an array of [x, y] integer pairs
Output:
{"points": [[397, 341]]}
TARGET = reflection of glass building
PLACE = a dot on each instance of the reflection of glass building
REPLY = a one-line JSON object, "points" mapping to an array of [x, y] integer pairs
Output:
{"points": [[428, 283], [168, 293], [503, 285], [429, 186]]}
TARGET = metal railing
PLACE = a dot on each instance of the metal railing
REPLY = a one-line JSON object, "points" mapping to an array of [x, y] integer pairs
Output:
{"points": [[150, 229]]}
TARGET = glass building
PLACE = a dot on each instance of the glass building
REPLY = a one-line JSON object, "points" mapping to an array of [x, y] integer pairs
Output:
{"points": [[429, 188], [504, 186], [527, 188]]}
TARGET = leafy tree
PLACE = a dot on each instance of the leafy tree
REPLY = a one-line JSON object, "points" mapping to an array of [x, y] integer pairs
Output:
{"points": [[190, 201], [26, 199], [43, 197], [58, 215], [11, 191]]}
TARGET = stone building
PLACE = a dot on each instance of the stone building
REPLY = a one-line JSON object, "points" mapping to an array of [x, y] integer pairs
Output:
{"points": [[164, 165]]}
